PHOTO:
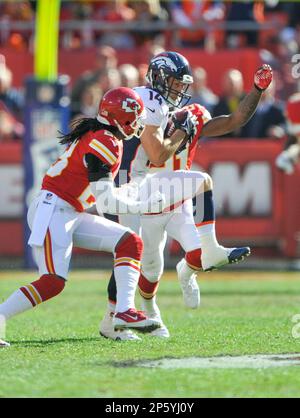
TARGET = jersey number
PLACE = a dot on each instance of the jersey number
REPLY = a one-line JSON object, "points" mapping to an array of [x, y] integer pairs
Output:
{"points": [[60, 164], [155, 96]]}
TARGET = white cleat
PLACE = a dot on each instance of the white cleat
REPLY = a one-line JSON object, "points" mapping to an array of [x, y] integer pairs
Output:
{"points": [[107, 330], [221, 256], [189, 285], [153, 312], [161, 332], [4, 344]]}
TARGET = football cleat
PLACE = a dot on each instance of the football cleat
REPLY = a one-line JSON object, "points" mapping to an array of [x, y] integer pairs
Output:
{"points": [[153, 312], [189, 286], [161, 332], [4, 344], [107, 330], [222, 256], [136, 320]]}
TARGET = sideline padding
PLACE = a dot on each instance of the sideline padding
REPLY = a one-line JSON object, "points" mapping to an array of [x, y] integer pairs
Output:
{"points": [[279, 226]]}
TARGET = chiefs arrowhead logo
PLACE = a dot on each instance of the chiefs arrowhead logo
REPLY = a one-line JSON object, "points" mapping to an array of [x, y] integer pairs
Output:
{"points": [[130, 105]]}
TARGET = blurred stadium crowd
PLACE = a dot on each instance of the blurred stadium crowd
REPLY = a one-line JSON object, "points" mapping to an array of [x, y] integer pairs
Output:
{"points": [[272, 27]]}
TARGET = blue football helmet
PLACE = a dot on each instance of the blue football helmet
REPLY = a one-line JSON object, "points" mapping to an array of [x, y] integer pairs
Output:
{"points": [[163, 70]]}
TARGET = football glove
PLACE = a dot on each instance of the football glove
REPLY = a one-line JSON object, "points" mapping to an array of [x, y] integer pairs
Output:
{"points": [[186, 122], [263, 77]]}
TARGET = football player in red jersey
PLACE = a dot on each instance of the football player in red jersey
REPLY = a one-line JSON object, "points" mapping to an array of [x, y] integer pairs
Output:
{"points": [[58, 221]]}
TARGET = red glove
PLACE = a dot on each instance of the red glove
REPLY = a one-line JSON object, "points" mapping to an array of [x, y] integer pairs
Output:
{"points": [[263, 77]]}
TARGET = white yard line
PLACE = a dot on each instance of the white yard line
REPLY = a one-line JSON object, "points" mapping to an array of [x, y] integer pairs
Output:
{"points": [[258, 361]]}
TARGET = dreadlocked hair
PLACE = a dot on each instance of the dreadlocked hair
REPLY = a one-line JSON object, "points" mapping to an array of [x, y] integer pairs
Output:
{"points": [[80, 127]]}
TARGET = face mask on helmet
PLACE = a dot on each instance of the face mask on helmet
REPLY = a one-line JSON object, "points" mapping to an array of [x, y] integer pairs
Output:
{"points": [[169, 73], [178, 95], [132, 129]]}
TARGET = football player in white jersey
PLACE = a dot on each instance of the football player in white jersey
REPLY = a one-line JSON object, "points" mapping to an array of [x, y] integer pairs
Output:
{"points": [[155, 148], [169, 77]]}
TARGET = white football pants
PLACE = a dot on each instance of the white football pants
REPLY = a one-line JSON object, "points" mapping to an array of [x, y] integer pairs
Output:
{"points": [[177, 224], [68, 228], [177, 186]]}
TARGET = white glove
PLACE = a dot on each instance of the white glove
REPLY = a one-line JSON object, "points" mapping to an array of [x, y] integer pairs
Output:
{"points": [[154, 204]]}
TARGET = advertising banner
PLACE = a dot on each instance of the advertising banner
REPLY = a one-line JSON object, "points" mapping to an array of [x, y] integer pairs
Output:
{"points": [[255, 203]]}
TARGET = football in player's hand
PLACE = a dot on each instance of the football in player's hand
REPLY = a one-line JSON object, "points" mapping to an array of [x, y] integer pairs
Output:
{"points": [[170, 128]]}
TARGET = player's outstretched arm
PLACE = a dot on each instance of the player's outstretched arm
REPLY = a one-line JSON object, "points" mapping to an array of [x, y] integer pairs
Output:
{"points": [[222, 125]]}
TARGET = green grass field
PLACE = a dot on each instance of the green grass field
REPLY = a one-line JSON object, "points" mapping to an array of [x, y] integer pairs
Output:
{"points": [[56, 350]]}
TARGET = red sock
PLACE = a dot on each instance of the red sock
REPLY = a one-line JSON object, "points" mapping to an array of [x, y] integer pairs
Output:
{"points": [[193, 259], [48, 286], [147, 289], [129, 252]]}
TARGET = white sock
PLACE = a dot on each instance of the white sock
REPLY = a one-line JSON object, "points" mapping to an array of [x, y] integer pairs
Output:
{"points": [[150, 307], [208, 239], [126, 281], [15, 304], [187, 271], [111, 307]]}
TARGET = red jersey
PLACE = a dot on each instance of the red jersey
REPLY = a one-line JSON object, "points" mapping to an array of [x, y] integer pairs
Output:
{"points": [[184, 160], [68, 176], [203, 116]]}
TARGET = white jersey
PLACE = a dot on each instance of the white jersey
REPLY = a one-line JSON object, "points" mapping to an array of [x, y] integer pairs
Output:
{"points": [[157, 114]]}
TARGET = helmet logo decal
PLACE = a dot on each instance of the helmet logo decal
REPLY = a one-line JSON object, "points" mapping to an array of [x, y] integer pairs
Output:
{"points": [[162, 61], [130, 105]]}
